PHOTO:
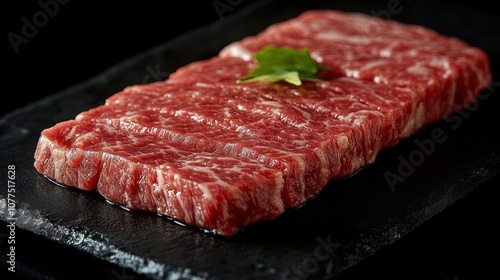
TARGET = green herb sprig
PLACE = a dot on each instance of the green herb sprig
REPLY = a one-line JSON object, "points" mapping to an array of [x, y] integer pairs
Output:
{"points": [[284, 64]]}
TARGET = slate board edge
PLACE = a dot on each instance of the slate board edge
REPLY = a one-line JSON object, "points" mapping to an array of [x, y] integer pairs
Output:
{"points": [[94, 243], [365, 245]]}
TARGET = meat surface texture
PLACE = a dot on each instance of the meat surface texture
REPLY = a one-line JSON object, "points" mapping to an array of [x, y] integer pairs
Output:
{"points": [[219, 155]]}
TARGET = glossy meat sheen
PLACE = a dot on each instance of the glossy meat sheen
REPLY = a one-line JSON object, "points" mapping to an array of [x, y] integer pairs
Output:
{"points": [[221, 155], [212, 191], [446, 72], [400, 110], [304, 144]]}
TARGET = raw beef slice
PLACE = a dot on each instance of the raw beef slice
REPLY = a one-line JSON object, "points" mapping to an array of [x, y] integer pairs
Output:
{"points": [[446, 72], [219, 155]]}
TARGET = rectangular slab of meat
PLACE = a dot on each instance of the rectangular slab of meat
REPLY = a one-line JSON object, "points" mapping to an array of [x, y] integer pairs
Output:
{"points": [[219, 155]]}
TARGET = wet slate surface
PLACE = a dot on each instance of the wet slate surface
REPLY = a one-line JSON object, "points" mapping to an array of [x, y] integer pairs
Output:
{"points": [[346, 223]]}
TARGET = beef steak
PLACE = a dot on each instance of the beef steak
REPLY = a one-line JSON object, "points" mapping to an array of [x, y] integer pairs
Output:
{"points": [[212, 153]]}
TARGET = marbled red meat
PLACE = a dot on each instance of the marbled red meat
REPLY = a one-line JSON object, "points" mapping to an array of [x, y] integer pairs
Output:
{"points": [[151, 173], [220, 155], [445, 71]]}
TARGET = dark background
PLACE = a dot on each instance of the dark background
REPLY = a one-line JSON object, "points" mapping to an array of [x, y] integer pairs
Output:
{"points": [[84, 38]]}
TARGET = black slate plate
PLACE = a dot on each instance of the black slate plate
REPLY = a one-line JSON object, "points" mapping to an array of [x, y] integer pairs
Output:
{"points": [[348, 222]]}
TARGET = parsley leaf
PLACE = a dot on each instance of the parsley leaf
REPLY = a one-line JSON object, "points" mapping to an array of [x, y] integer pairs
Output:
{"points": [[284, 64]]}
